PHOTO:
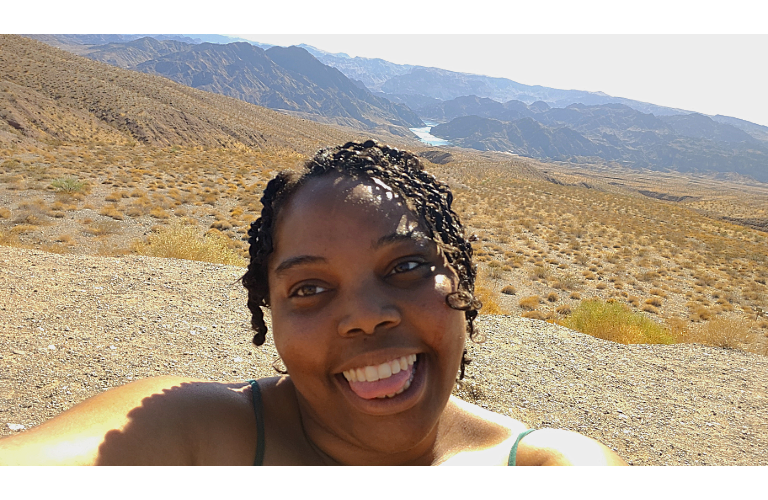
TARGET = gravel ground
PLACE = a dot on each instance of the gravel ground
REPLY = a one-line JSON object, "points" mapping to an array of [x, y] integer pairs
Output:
{"points": [[72, 326]]}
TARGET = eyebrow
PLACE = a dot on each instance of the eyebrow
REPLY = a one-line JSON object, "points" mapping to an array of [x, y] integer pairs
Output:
{"points": [[297, 261], [411, 236]]}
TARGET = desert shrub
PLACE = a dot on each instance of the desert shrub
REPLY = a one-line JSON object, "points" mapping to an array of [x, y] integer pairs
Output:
{"points": [[648, 276], [159, 213], [69, 185], [552, 297], [509, 290], [112, 211], [534, 315], [5, 213], [495, 272], [566, 282], [102, 227], [650, 309], [184, 241], [699, 312], [616, 322], [530, 303], [654, 301], [564, 310], [575, 296], [540, 272], [723, 332]]}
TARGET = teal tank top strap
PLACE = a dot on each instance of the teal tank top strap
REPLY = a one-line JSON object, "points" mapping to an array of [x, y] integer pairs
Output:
{"points": [[258, 409], [513, 452]]}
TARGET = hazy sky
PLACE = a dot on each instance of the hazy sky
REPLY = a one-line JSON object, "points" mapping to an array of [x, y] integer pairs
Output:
{"points": [[712, 74]]}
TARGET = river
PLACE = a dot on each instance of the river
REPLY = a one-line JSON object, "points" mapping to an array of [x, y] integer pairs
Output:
{"points": [[426, 137]]}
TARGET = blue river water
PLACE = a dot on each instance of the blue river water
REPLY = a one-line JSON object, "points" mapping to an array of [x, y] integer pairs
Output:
{"points": [[426, 137]]}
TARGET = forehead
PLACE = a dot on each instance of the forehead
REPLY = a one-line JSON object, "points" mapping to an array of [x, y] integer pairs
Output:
{"points": [[326, 205]]}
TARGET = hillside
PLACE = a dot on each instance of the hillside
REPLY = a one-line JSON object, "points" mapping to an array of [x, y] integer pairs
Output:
{"points": [[281, 78], [51, 95]]}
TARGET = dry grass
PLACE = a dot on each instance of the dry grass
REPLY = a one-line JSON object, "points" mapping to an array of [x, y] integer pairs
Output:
{"points": [[185, 241], [529, 303], [617, 323]]}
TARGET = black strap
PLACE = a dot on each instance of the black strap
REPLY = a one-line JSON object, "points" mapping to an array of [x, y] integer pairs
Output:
{"points": [[258, 409]]}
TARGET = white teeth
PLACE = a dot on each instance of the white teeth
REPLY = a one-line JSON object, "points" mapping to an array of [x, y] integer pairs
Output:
{"points": [[395, 366], [403, 363], [384, 370], [371, 374]]}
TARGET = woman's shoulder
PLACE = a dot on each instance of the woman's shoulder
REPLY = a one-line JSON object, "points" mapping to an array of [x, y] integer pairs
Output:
{"points": [[478, 436], [490, 438], [162, 420]]}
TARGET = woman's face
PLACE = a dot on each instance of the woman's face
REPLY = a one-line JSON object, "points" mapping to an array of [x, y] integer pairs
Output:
{"points": [[357, 292]]}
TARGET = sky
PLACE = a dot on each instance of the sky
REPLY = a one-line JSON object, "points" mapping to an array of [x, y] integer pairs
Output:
{"points": [[711, 74]]}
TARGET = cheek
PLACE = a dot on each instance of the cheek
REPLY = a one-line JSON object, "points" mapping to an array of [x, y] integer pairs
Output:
{"points": [[443, 284]]}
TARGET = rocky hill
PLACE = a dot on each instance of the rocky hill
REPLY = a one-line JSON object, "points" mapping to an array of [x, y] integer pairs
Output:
{"points": [[47, 94], [281, 78]]}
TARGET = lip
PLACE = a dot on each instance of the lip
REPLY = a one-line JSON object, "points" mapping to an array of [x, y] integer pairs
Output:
{"points": [[389, 406]]}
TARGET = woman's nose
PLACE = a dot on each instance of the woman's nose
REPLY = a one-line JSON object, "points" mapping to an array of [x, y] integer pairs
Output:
{"points": [[367, 310]]}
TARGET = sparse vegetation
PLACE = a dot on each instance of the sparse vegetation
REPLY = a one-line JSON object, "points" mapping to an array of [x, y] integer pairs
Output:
{"points": [[185, 241], [617, 323], [69, 185]]}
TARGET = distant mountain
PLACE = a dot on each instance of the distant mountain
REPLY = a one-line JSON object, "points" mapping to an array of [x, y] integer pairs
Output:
{"points": [[753, 129], [611, 132], [282, 78], [74, 40], [130, 54], [699, 126], [372, 72], [419, 86]]}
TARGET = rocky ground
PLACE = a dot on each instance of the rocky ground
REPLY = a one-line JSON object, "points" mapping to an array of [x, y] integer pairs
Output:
{"points": [[72, 326]]}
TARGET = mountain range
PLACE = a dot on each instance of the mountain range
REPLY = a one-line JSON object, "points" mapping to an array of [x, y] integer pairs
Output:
{"points": [[284, 78], [474, 111], [52, 96]]}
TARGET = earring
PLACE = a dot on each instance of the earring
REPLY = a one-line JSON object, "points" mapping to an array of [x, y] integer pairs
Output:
{"points": [[279, 366]]}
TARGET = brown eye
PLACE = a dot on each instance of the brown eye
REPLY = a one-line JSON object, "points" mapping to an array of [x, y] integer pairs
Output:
{"points": [[404, 267], [308, 291]]}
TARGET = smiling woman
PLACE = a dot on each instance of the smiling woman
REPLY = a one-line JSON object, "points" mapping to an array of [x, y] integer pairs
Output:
{"points": [[369, 278]]}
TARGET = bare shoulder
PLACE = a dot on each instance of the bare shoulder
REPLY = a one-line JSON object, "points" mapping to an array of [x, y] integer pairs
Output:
{"points": [[476, 436], [163, 420], [489, 438], [562, 447], [487, 420]]}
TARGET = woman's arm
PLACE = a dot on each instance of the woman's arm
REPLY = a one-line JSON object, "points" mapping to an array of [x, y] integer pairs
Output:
{"points": [[155, 421]]}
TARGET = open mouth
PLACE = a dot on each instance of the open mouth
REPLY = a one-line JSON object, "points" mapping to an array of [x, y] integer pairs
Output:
{"points": [[386, 380]]}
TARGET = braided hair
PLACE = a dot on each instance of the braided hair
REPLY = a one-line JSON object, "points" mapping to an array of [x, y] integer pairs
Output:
{"points": [[402, 171]]}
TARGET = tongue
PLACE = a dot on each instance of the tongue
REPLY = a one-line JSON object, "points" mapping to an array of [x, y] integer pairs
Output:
{"points": [[390, 385]]}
